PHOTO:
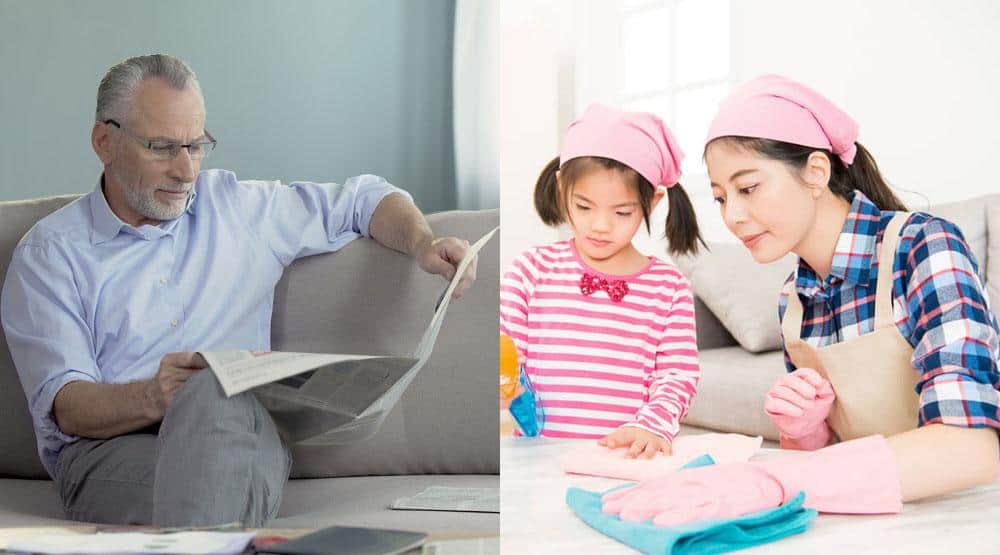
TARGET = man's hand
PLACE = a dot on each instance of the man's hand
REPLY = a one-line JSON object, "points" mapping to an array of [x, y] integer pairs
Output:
{"points": [[175, 369], [442, 256], [641, 443]]}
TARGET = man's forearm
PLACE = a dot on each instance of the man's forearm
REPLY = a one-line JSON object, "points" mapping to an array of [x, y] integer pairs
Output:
{"points": [[398, 224], [102, 411]]}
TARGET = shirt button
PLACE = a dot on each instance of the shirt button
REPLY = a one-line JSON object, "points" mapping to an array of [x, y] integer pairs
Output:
{"points": [[173, 323], [163, 281]]}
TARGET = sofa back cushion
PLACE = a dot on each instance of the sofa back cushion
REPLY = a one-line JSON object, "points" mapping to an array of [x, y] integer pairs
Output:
{"points": [[18, 453], [367, 299], [363, 299]]}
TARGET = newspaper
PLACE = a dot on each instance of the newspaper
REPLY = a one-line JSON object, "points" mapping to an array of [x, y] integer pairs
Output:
{"points": [[324, 399]]}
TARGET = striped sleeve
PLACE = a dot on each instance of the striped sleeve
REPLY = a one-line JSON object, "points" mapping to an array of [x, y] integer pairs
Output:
{"points": [[516, 287], [953, 332], [675, 376]]}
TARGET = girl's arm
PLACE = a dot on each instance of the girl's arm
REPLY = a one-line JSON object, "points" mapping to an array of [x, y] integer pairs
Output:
{"points": [[938, 459], [676, 373], [516, 287]]}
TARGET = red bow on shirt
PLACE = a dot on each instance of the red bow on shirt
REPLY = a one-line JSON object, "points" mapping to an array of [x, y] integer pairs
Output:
{"points": [[616, 289]]}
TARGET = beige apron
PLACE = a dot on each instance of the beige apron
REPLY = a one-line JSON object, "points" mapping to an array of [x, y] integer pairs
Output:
{"points": [[872, 374]]}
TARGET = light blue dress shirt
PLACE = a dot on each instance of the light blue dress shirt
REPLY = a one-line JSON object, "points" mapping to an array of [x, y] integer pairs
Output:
{"points": [[90, 298]]}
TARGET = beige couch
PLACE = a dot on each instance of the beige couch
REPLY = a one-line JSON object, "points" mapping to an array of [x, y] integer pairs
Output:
{"points": [[442, 432], [737, 317]]}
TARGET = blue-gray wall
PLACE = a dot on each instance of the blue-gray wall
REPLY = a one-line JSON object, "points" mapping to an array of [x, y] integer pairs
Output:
{"points": [[295, 90]]}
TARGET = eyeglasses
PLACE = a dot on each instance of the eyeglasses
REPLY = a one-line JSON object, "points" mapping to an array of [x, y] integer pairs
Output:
{"points": [[167, 150]]}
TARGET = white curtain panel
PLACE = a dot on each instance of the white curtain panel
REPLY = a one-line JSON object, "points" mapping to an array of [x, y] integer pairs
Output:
{"points": [[476, 118]]}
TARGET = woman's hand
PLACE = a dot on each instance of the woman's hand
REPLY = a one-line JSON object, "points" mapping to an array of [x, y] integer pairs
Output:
{"points": [[798, 404], [641, 443]]}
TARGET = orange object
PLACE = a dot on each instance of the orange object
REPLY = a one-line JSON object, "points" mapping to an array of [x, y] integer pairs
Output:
{"points": [[508, 368]]}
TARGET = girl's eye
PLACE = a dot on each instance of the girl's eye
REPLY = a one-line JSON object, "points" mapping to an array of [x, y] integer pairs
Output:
{"points": [[719, 200], [624, 214], [582, 207], [748, 190]]}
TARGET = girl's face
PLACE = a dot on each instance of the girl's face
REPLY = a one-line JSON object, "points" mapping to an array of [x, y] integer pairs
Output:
{"points": [[763, 203], [604, 213]]}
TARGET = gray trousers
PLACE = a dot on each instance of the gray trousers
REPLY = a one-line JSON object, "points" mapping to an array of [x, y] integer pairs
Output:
{"points": [[214, 460]]}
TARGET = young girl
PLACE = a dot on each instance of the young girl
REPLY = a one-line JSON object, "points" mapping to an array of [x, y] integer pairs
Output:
{"points": [[606, 334], [889, 340]]}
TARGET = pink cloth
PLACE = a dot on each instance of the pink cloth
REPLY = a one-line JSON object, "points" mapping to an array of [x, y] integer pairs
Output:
{"points": [[598, 364], [775, 107], [639, 140], [595, 460]]}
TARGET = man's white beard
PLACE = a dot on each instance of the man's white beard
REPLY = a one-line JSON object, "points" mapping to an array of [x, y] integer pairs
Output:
{"points": [[143, 200]]}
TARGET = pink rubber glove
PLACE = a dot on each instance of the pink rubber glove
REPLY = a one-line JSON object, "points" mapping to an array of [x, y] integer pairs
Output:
{"points": [[854, 477], [798, 404]]}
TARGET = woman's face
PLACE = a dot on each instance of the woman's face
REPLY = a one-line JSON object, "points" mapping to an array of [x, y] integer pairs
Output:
{"points": [[763, 203]]}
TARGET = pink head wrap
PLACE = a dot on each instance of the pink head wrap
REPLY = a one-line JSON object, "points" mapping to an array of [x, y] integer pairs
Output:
{"points": [[777, 108], [639, 140]]}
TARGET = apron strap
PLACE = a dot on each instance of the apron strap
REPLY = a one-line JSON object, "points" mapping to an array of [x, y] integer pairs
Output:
{"points": [[886, 261], [791, 323]]}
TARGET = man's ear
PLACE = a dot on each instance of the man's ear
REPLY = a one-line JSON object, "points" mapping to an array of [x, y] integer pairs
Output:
{"points": [[100, 139], [816, 173]]}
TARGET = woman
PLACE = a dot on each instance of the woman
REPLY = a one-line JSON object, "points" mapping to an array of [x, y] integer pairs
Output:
{"points": [[889, 338]]}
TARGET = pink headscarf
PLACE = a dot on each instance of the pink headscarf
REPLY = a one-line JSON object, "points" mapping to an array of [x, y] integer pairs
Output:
{"points": [[777, 108], [639, 140]]}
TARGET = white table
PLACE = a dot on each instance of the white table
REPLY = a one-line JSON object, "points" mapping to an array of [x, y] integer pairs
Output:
{"points": [[534, 517]]}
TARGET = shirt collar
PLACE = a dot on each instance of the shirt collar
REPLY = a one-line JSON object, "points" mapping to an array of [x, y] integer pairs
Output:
{"points": [[107, 225], [854, 253]]}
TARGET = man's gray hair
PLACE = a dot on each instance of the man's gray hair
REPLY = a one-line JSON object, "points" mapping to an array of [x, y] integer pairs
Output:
{"points": [[114, 95]]}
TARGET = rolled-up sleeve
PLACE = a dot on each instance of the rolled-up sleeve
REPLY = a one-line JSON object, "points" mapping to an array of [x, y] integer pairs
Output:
{"points": [[304, 218], [47, 335], [953, 332]]}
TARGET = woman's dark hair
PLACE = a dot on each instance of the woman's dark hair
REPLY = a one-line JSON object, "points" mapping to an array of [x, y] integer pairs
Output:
{"points": [[682, 226], [862, 174]]}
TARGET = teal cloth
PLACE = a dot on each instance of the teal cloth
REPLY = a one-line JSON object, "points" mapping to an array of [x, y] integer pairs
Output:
{"points": [[702, 537]]}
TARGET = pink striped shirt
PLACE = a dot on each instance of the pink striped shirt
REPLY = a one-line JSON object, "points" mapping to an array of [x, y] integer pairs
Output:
{"points": [[598, 364]]}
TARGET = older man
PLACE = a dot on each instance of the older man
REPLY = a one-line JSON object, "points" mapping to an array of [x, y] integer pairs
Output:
{"points": [[106, 301]]}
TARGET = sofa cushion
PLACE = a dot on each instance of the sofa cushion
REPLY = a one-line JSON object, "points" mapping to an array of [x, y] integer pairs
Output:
{"points": [[741, 293], [993, 250], [445, 423], [18, 452], [731, 391]]}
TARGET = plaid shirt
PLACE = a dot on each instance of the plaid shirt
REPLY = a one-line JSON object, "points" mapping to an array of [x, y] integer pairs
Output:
{"points": [[939, 306]]}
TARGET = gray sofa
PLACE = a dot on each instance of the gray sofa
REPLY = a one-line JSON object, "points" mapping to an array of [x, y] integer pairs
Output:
{"points": [[442, 432], [737, 319]]}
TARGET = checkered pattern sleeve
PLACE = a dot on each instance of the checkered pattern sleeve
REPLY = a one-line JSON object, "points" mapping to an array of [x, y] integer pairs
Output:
{"points": [[953, 332]]}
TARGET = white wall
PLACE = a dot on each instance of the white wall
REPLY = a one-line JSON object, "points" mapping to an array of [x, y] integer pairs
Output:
{"points": [[922, 77], [530, 52]]}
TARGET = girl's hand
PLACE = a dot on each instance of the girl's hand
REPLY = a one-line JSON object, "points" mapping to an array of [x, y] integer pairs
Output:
{"points": [[640, 442]]}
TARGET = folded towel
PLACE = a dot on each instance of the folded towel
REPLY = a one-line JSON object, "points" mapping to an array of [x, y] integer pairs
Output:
{"points": [[703, 537], [596, 460]]}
